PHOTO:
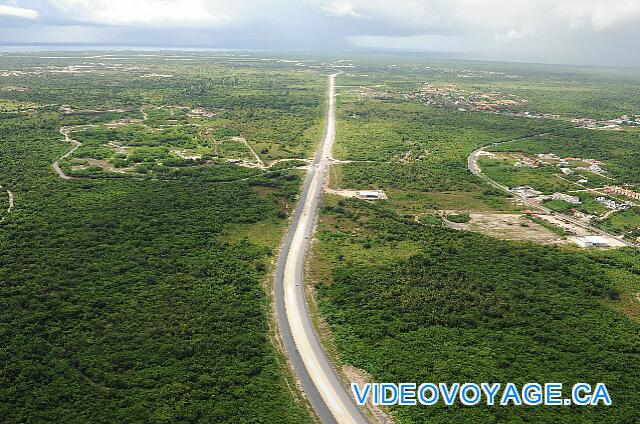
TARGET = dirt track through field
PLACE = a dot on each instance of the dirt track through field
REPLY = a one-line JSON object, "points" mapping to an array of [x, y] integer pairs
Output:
{"points": [[65, 131]]}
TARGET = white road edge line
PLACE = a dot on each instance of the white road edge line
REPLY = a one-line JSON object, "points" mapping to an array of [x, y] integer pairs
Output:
{"points": [[334, 394]]}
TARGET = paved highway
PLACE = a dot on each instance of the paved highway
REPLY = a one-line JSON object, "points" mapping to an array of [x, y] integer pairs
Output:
{"points": [[331, 400]]}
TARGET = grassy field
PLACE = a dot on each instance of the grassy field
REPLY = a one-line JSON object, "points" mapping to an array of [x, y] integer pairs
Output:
{"points": [[627, 221], [405, 146]]}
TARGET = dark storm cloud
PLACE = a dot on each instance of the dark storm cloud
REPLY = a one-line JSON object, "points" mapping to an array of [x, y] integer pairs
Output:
{"points": [[576, 31]]}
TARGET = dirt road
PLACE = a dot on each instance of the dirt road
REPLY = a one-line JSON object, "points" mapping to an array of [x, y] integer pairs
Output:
{"points": [[56, 165]]}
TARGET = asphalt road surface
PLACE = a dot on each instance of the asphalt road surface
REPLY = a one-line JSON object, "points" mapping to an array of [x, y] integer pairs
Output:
{"points": [[332, 401]]}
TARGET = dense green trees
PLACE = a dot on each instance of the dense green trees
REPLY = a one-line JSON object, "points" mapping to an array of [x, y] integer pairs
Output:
{"points": [[460, 307], [411, 302], [127, 300]]}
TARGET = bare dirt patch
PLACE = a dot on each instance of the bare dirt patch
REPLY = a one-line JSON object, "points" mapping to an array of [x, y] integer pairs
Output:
{"points": [[515, 227], [569, 227], [360, 194], [361, 378], [576, 231]]}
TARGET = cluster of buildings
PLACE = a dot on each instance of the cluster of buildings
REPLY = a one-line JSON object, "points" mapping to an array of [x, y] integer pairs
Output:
{"points": [[623, 192], [594, 167], [625, 119], [525, 191], [612, 204], [531, 193], [565, 165], [450, 96], [616, 123], [574, 200]]}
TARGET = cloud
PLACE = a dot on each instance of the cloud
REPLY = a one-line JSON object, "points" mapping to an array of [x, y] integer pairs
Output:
{"points": [[582, 31], [397, 13], [338, 7], [505, 17], [18, 12], [601, 14], [142, 13], [525, 31]]}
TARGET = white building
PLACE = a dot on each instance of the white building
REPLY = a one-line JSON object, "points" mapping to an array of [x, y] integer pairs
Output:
{"points": [[592, 241], [566, 198], [567, 171], [525, 191], [371, 194], [523, 164]]}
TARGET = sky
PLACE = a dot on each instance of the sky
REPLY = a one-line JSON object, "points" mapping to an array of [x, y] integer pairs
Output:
{"points": [[592, 32]]}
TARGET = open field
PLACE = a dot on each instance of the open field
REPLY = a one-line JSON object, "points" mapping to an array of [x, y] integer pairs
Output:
{"points": [[514, 227]]}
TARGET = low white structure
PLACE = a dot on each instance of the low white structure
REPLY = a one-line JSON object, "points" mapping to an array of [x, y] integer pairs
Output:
{"points": [[575, 200], [522, 164], [567, 171], [525, 191], [592, 241], [371, 194]]}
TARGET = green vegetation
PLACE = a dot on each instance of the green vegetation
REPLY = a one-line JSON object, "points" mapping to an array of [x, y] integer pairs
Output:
{"points": [[544, 179], [562, 90], [418, 148], [549, 226], [464, 307], [163, 151], [624, 222], [559, 205], [138, 299], [135, 292], [279, 116], [459, 218], [409, 300], [619, 150]]}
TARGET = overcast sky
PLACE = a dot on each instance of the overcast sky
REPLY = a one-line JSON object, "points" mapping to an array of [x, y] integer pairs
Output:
{"points": [[600, 32]]}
